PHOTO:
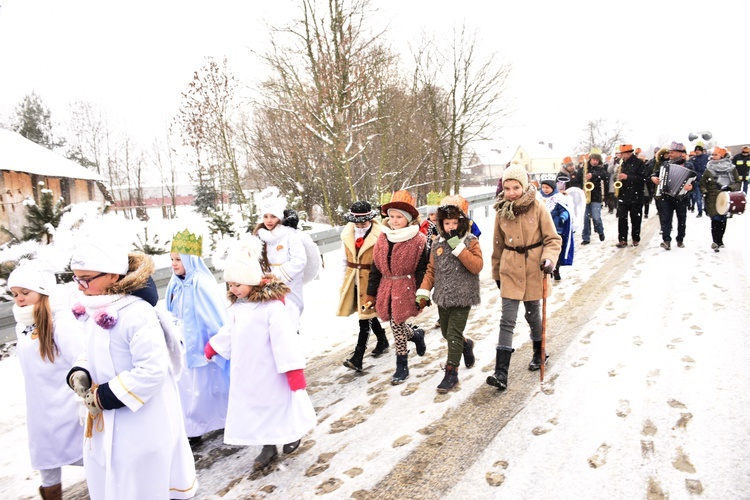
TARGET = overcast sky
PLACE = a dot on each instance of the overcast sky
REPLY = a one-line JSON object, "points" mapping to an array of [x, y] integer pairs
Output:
{"points": [[664, 68]]}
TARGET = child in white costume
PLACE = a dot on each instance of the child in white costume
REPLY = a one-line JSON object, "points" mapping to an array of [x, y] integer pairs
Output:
{"points": [[285, 253], [267, 398], [194, 299], [135, 445], [49, 342]]}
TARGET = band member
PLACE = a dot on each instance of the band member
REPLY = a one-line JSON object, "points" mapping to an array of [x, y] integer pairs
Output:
{"points": [[674, 203], [720, 175], [629, 176]]}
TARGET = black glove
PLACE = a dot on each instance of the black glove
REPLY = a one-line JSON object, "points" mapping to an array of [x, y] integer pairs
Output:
{"points": [[726, 188], [547, 266], [497, 282]]}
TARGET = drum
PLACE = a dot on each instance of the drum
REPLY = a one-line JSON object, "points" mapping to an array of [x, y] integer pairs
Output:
{"points": [[730, 202]]}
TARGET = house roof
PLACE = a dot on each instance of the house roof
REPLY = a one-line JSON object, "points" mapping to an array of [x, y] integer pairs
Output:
{"points": [[18, 154], [539, 151]]}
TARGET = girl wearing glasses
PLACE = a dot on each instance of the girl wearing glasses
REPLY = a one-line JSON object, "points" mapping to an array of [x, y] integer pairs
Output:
{"points": [[135, 443], [49, 341]]}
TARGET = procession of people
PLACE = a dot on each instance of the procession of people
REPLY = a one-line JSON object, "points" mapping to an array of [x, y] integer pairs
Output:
{"points": [[208, 362]]}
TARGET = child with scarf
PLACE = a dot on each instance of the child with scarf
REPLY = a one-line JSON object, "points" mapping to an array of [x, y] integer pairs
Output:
{"points": [[525, 248], [193, 299], [399, 264], [284, 253], [453, 272], [720, 175], [558, 206], [358, 240], [49, 342], [268, 403], [135, 444]]}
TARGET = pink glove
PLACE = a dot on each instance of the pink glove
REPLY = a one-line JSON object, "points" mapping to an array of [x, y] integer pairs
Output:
{"points": [[209, 351], [296, 379]]}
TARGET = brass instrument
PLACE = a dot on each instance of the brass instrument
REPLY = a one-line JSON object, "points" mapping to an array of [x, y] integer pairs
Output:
{"points": [[588, 186], [618, 182]]}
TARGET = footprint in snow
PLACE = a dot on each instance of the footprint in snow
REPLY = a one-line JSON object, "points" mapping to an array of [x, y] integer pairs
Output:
{"points": [[599, 458], [637, 340], [580, 362], [624, 409]]}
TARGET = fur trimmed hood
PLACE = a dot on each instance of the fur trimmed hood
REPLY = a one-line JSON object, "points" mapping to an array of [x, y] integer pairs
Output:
{"points": [[270, 288], [140, 269]]}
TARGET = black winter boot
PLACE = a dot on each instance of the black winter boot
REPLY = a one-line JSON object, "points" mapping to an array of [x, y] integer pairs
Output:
{"points": [[469, 353], [402, 369], [267, 455], [382, 345], [355, 362], [536, 358], [418, 339], [450, 380], [500, 378]]}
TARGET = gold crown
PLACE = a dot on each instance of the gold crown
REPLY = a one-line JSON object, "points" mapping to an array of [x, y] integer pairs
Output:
{"points": [[433, 198], [187, 243]]}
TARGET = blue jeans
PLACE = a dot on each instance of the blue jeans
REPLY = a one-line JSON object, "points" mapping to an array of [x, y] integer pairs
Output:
{"points": [[695, 193], [670, 206], [593, 211]]}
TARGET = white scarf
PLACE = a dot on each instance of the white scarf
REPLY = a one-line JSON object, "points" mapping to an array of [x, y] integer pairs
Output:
{"points": [[24, 315], [399, 235], [103, 308]]}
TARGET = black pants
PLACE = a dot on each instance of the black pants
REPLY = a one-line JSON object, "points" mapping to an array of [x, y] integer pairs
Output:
{"points": [[630, 211]]}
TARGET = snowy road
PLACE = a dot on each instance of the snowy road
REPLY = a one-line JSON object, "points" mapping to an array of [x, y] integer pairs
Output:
{"points": [[645, 393]]}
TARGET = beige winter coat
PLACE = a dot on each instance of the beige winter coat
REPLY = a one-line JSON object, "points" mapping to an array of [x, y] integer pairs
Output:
{"points": [[521, 224], [357, 272]]}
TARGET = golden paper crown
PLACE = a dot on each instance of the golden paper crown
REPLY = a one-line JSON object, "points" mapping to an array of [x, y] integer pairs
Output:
{"points": [[385, 198], [187, 243], [433, 198]]}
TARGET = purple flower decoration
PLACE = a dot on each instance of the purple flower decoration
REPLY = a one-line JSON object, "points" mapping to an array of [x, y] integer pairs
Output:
{"points": [[105, 320], [78, 310]]}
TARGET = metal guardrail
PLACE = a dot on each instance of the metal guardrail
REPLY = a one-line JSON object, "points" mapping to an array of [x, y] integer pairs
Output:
{"points": [[327, 241]]}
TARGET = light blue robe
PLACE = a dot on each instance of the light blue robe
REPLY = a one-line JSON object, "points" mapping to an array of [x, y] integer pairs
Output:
{"points": [[201, 312]]}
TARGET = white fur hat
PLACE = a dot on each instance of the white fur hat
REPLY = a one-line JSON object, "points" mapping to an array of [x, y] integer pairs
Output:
{"points": [[243, 263], [99, 256], [32, 277], [269, 202]]}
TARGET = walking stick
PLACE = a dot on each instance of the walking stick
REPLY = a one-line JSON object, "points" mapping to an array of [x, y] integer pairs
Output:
{"points": [[544, 327]]}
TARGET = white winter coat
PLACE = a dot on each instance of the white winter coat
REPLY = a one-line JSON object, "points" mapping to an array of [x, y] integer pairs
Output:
{"points": [[288, 258], [262, 343], [52, 409], [139, 451]]}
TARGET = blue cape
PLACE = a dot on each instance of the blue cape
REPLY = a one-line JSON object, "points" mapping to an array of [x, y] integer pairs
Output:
{"points": [[203, 311], [556, 203]]}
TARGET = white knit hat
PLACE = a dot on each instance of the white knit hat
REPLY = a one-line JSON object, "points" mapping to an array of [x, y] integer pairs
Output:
{"points": [[243, 263], [33, 277], [100, 256], [269, 202], [517, 173]]}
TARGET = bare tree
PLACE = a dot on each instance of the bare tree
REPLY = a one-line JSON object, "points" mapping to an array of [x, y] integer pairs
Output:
{"points": [[87, 131], [205, 122], [326, 79], [465, 96], [601, 134]]}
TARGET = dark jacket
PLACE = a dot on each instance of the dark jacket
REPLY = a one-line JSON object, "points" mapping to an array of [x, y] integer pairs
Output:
{"points": [[600, 179], [699, 165], [574, 178], [742, 164], [631, 191]]}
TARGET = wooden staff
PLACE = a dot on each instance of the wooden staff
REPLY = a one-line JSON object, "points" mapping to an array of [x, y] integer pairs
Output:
{"points": [[544, 327]]}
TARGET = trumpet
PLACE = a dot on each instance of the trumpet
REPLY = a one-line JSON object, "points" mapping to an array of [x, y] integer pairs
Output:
{"points": [[618, 182]]}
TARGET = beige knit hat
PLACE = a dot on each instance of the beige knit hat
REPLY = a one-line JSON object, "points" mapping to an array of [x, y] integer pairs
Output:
{"points": [[516, 172]]}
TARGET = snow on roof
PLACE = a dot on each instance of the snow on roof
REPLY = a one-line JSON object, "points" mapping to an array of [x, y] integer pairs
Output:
{"points": [[538, 151], [19, 154]]}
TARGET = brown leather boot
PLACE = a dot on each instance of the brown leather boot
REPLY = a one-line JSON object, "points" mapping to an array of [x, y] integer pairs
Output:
{"points": [[53, 492]]}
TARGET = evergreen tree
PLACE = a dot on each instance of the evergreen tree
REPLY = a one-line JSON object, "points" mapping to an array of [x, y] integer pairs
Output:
{"points": [[33, 120], [42, 219], [205, 198]]}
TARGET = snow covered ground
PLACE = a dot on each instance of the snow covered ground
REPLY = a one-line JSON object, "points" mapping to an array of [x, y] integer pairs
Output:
{"points": [[645, 394]]}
